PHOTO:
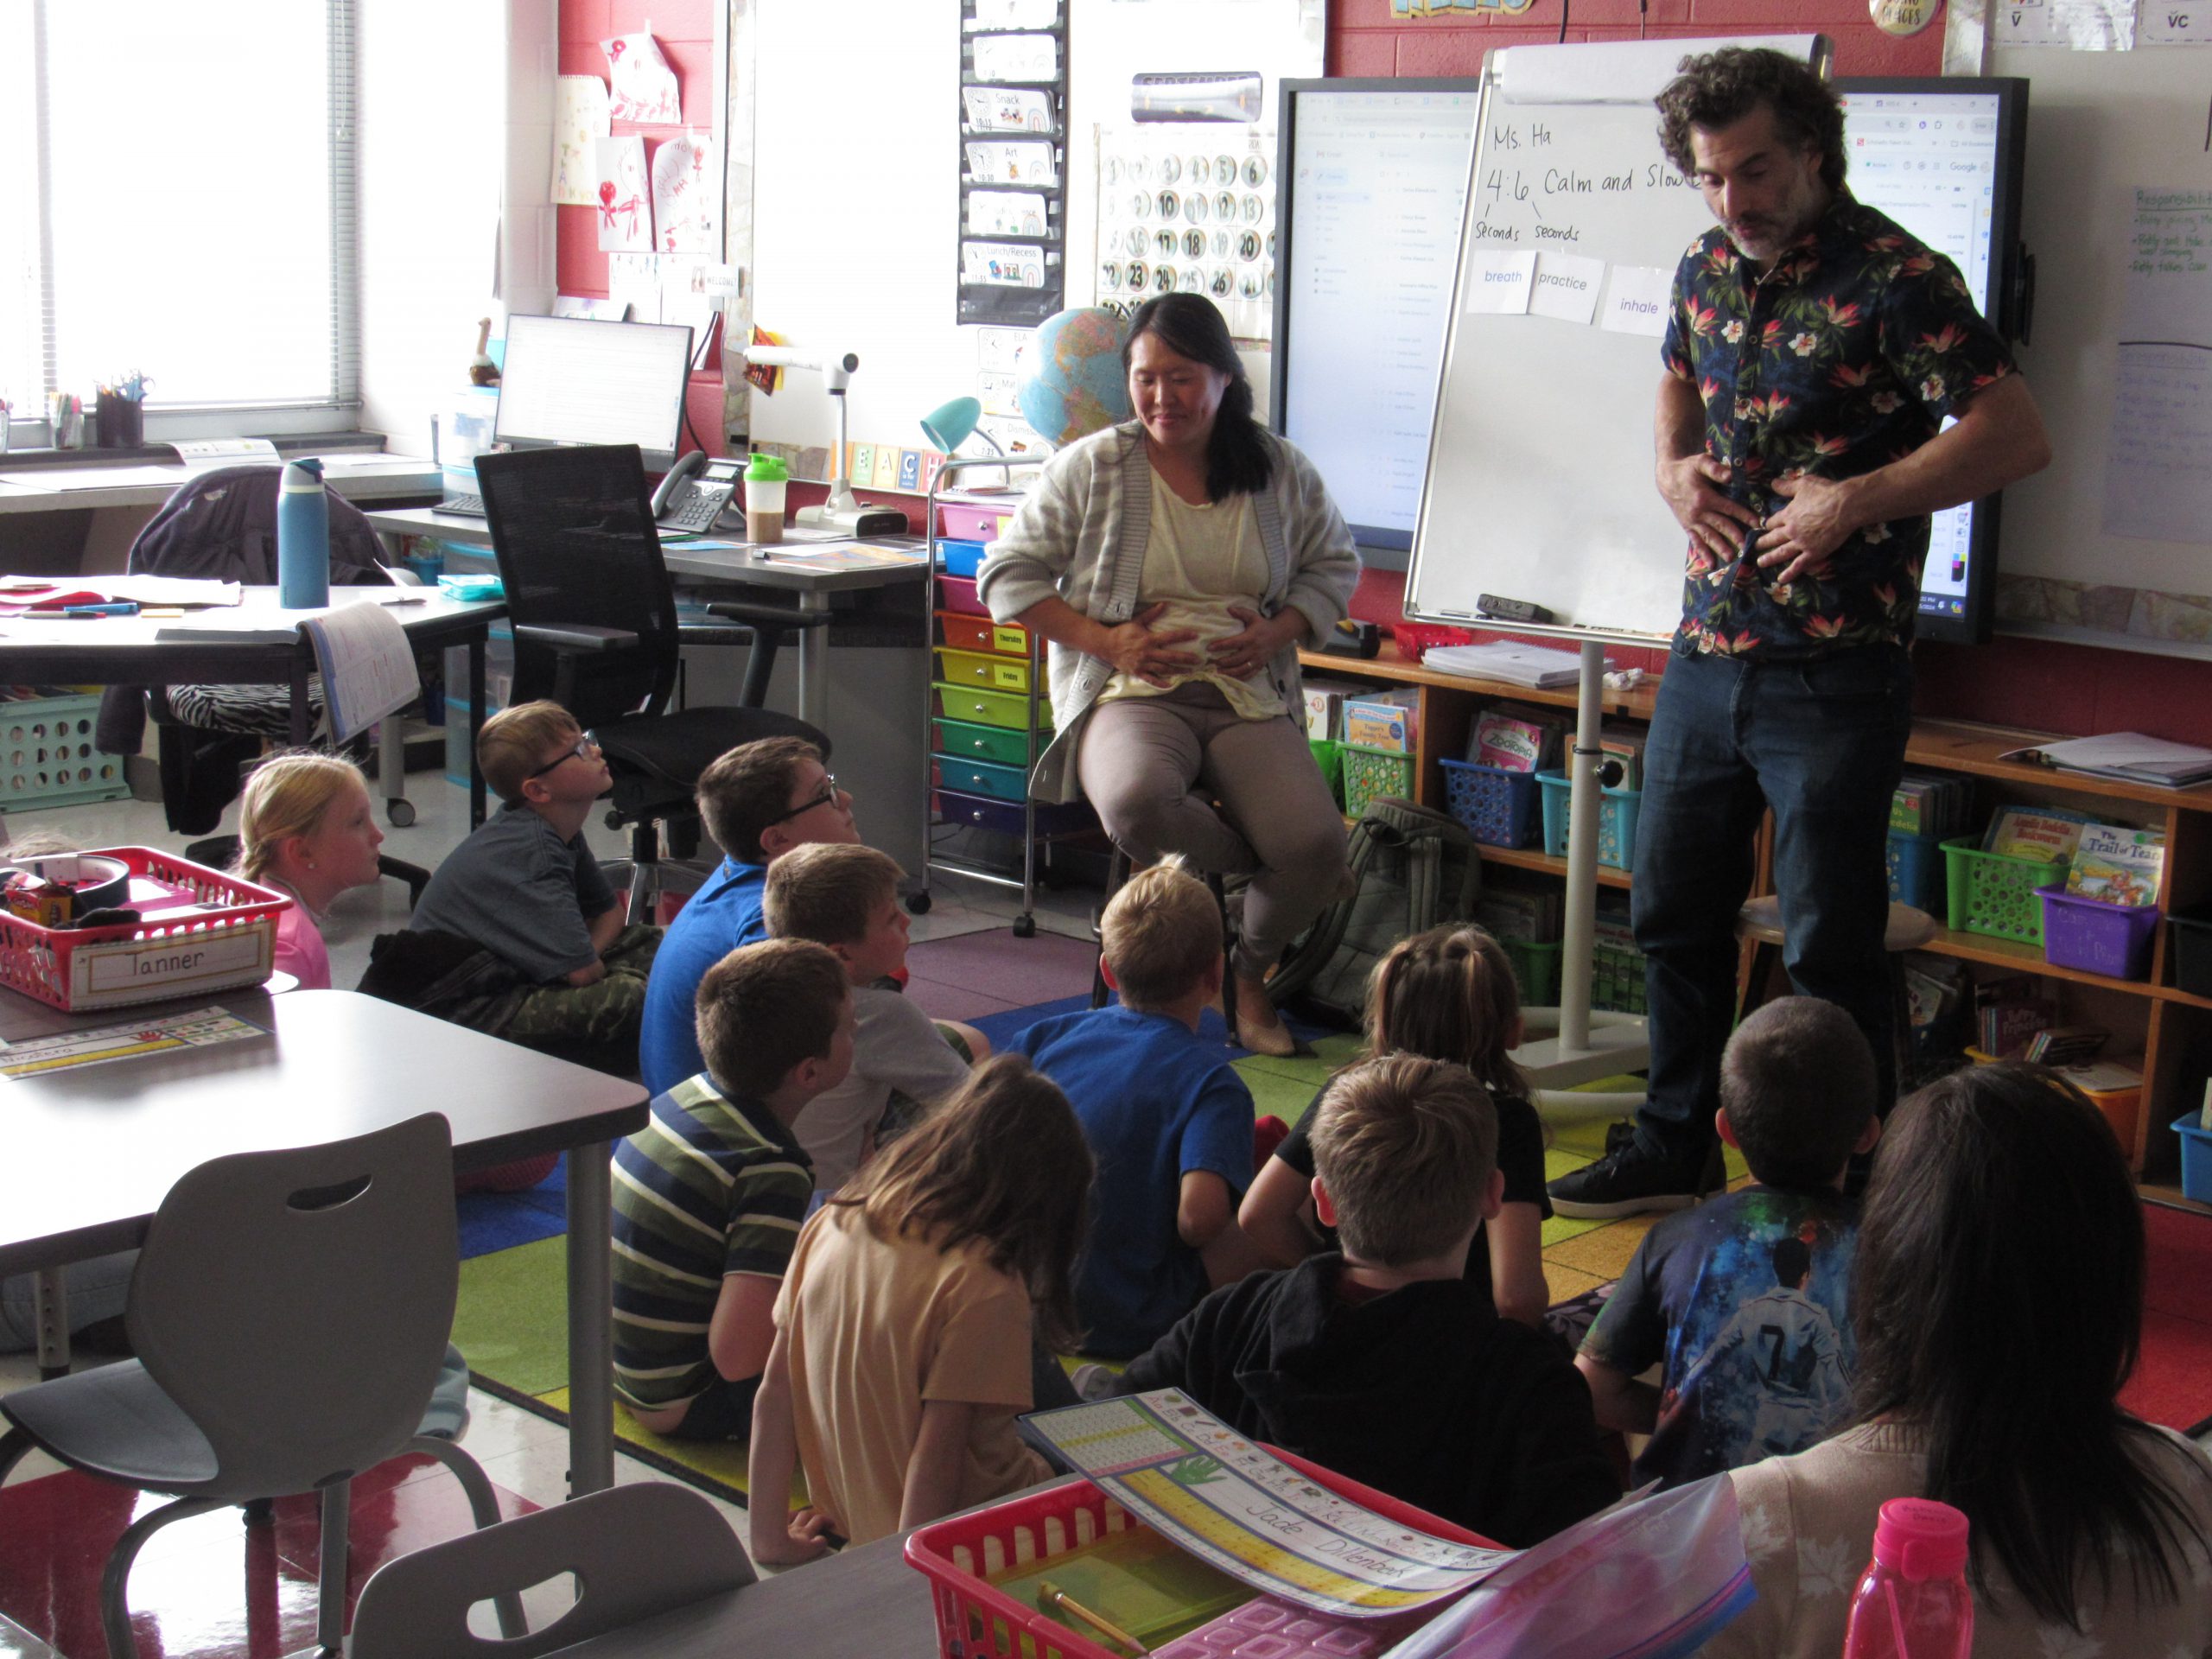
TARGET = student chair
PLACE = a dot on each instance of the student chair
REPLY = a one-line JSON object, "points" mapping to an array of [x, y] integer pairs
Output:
{"points": [[595, 631], [290, 1311], [636, 1551], [221, 526]]}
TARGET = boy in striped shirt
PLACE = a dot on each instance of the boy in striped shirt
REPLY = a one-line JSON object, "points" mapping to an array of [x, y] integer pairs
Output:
{"points": [[709, 1196]]}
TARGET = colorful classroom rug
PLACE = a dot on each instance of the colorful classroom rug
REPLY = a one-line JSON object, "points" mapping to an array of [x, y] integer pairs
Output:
{"points": [[2172, 1383], [511, 1321]]}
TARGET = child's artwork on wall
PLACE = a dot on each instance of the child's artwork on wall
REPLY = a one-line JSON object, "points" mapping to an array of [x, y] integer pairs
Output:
{"points": [[619, 192], [633, 280], [579, 120], [644, 84], [687, 194]]}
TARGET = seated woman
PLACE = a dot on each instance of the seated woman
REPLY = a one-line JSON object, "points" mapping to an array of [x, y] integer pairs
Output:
{"points": [[1997, 1297], [1176, 563]]}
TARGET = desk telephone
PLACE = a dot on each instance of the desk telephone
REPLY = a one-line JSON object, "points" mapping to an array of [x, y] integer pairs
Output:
{"points": [[697, 490]]}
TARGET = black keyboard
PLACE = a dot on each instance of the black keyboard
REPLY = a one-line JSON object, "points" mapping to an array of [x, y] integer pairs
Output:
{"points": [[465, 506]]}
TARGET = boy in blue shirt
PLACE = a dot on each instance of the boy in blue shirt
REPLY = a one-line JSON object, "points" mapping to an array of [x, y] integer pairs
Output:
{"points": [[1168, 1120], [760, 800], [1745, 1298]]}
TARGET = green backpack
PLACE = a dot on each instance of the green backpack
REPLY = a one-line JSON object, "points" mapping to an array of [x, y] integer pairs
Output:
{"points": [[1414, 869]]}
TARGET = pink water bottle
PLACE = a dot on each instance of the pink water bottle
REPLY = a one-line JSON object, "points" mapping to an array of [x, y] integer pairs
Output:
{"points": [[1913, 1603]]}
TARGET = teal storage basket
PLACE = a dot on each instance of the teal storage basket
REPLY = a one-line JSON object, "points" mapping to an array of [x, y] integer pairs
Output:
{"points": [[1617, 810]]}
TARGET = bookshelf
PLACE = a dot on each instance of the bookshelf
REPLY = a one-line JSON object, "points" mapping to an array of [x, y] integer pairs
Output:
{"points": [[2156, 1024]]}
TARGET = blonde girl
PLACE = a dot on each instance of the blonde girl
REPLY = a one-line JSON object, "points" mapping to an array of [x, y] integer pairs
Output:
{"points": [[306, 827], [1445, 994], [917, 1312]]}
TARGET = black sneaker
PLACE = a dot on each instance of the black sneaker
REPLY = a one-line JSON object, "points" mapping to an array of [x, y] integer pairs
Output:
{"points": [[1624, 1183]]}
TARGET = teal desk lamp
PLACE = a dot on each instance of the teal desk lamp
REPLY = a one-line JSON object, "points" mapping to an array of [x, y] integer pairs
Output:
{"points": [[949, 425]]}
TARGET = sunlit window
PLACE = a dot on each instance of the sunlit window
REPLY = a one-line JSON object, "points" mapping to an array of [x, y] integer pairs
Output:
{"points": [[176, 202]]}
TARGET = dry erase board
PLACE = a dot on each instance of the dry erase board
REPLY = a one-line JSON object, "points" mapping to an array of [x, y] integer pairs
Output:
{"points": [[2100, 124], [1539, 484]]}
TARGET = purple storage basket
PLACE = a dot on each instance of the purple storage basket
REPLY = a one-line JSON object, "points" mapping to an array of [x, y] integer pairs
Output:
{"points": [[2100, 938]]}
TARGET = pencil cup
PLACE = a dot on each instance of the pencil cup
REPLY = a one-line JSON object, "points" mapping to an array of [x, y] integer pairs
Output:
{"points": [[119, 422]]}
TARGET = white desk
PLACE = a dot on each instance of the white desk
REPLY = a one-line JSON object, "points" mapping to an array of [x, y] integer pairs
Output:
{"points": [[809, 585], [359, 476], [117, 497]]}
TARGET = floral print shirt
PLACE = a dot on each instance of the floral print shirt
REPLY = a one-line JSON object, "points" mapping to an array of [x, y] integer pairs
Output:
{"points": [[1846, 355]]}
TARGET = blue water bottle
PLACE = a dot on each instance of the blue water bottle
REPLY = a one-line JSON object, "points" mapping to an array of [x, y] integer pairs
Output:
{"points": [[302, 538]]}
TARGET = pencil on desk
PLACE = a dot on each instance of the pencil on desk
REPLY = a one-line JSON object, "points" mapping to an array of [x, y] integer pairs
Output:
{"points": [[1050, 1595]]}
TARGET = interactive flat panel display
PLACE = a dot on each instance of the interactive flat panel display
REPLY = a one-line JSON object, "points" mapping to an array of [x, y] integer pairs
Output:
{"points": [[1944, 158], [1374, 185]]}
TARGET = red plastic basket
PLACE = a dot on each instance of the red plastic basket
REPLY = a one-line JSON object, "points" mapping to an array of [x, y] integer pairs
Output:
{"points": [[215, 932], [975, 1620], [1416, 639]]}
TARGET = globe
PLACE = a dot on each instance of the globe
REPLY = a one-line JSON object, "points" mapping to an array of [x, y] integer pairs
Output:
{"points": [[1072, 384]]}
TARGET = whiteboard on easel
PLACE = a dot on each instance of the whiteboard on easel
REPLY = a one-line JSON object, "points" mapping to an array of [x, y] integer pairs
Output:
{"points": [[1539, 485]]}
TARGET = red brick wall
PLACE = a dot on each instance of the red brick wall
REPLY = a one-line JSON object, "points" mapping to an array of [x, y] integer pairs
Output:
{"points": [[2077, 690]]}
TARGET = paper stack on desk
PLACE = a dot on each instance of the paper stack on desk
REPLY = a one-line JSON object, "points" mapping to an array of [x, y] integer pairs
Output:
{"points": [[2128, 756], [1512, 660]]}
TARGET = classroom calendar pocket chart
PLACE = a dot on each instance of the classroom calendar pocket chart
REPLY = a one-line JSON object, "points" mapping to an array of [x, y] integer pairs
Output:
{"points": [[1013, 79], [1186, 1474]]}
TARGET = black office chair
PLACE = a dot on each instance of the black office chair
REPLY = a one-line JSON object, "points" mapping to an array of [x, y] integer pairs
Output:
{"points": [[595, 631], [221, 526]]}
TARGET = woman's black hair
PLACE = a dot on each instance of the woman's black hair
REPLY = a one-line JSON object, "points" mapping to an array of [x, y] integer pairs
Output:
{"points": [[1239, 461], [1998, 1296]]}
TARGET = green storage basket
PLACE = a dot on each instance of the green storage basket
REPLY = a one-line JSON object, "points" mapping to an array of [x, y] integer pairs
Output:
{"points": [[1329, 755], [1617, 978], [1535, 966], [1991, 893], [1372, 773]]}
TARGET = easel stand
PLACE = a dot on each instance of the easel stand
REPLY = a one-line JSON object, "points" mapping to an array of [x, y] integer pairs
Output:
{"points": [[1582, 1047]]}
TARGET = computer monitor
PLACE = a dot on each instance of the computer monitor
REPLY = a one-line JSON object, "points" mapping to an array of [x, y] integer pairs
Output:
{"points": [[1944, 157], [569, 380], [1372, 183]]}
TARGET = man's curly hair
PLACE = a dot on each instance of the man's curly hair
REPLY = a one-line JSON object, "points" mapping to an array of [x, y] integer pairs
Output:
{"points": [[1718, 89]]}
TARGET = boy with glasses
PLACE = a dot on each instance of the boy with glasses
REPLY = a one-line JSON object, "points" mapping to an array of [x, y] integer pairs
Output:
{"points": [[760, 800], [527, 889]]}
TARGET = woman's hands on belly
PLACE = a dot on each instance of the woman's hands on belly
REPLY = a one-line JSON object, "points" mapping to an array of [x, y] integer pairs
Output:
{"points": [[1251, 648], [1138, 648]]}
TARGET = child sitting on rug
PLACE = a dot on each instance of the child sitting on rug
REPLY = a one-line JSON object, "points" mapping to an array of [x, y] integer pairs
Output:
{"points": [[1744, 1300], [1446, 995], [526, 888], [709, 1194], [903, 1349], [305, 828], [1385, 1362], [1167, 1117], [846, 898]]}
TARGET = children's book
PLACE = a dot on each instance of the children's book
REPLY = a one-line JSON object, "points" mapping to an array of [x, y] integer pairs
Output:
{"points": [[2042, 833], [1514, 739], [2116, 864]]}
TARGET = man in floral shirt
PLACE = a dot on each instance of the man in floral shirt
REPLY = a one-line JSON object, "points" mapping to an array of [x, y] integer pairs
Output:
{"points": [[1813, 350]]}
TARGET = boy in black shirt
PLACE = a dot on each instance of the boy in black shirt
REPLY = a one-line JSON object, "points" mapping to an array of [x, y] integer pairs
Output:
{"points": [[1382, 1362]]}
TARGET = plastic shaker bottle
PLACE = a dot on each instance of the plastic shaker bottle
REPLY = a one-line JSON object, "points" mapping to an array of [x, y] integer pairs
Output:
{"points": [[764, 481], [1913, 1602]]}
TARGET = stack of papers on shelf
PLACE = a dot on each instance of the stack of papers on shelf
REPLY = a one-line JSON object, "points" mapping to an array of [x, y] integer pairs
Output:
{"points": [[1512, 660], [2128, 756]]}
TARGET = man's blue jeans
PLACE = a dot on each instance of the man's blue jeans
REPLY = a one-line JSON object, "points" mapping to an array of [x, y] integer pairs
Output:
{"points": [[1822, 743]]}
